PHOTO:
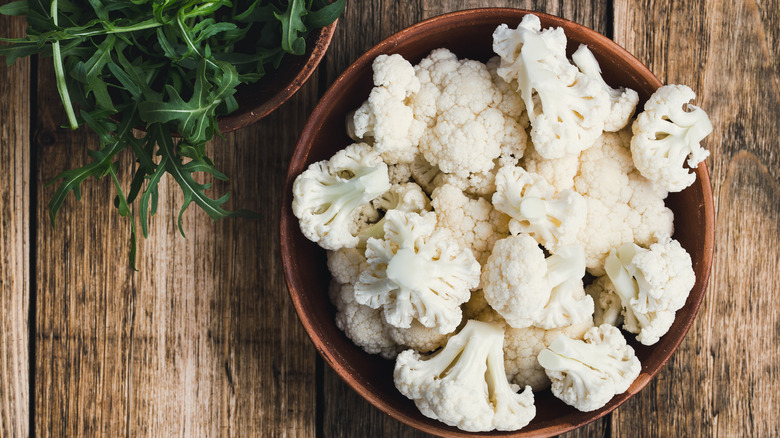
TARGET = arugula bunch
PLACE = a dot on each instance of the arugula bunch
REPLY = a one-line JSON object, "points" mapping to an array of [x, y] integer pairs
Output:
{"points": [[172, 66]]}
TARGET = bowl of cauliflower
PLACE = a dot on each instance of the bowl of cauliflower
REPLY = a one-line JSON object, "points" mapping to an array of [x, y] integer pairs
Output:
{"points": [[498, 221]]}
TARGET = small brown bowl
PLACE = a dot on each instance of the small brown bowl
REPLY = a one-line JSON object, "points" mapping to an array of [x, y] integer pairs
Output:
{"points": [[257, 100], [468, 34]]}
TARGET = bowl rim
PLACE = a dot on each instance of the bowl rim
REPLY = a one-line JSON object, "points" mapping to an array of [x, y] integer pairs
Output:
{"points": [[238, 120], [301, 152]]}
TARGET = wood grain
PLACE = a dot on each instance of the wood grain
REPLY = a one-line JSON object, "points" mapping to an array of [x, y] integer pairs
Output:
{"points": [[202, 340], [723, 381], [14, 241], [83, 287]]}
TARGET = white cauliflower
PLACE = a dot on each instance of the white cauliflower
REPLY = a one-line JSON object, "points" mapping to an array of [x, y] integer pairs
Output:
{"points": [[522, 346], [346, 264], [417, 272], [407, 197], [568, 303], [464, 385], [622, 100], [603, 171], [527, 289], [425, 174], [387, 117], [647, 200], [448, 230], [558, 172], [465, 129], [587, 374], [554, 220], [513, 280], [399, 173], [476, 184], [469, 220], [511, 104], [566, 108], [417, 337], [622, 206], [653, 284], [327, 195], [361, 324], [665, 135], [515, 140], [608, 308]]}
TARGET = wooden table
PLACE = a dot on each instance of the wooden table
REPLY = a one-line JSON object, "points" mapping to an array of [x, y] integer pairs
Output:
{"points": [[203, 339]]}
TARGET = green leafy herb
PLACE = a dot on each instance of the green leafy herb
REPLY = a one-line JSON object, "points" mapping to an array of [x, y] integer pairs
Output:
{"points": [[172, 66]]}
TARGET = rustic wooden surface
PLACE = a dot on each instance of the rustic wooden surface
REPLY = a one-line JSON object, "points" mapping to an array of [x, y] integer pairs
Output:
{"points": [[203, 340], [15, 240]]}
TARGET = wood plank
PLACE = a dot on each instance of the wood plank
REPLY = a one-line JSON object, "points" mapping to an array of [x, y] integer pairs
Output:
{"points": [[203, 340], [14, 239], [219, 350], [344, 412], [723, 381], [84, 287]]}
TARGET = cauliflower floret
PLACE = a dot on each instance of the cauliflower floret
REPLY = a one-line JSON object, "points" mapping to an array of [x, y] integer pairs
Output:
{"points": [[622, 100], [469, 220], [418, 337], [568, 303], [554, 220], [622, 206], [558, 172], [608, 306], [665, 134], [652, 284], [587, 374], [512, 104], [522, 346], [514, 143], [425, 174], [399, 173], [465, 129], [477, 184], [527, 289], [463, 142], [464, 385], [607, 226], [647, 200], [513, 280], [417, 272], [387, 116], [361, 324], [603, 170], [567, 109], [327, 195], [516, 118], [407, 197], [429, 177], [431, 72], [346, 264]]}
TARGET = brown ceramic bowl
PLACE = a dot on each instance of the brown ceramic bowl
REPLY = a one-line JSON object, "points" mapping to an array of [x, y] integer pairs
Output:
{"points": [[468, 34], [257, 100]]}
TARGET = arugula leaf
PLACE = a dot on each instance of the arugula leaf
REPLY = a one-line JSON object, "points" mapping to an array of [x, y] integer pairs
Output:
{"points": [[15, 8], [170, 65], [194, 119], [193, 191], [325, 15], [293, 27]]}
